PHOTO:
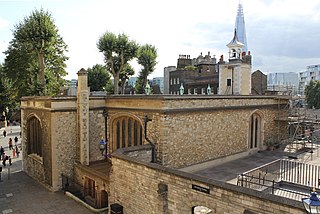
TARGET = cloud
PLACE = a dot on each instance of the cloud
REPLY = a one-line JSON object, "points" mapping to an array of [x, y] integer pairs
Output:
{"points": [[3, 23]]}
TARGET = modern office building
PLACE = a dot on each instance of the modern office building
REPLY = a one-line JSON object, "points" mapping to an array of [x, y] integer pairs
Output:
{"points": [[286, 83], [311, 73]]}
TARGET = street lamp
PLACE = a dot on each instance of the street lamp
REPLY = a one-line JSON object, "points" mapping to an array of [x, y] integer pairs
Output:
{"points": [[147, 89], [102, 146], [181, 89], [312, 204], [209, 90]]}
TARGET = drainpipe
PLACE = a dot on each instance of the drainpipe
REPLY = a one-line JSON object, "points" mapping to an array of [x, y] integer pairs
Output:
{"points": [[153, 152]]}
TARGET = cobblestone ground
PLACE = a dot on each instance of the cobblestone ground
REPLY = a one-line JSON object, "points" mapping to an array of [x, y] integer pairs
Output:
{"points": [[21, 194]]}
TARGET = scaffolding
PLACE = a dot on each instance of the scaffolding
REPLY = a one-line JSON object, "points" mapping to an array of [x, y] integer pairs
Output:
{"points": [[303, 128]]}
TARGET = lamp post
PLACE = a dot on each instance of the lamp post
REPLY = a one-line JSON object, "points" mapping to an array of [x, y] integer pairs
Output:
{"points": [[147, 89], [102, 146], [181, 89], [209, 90], [312, 204]]}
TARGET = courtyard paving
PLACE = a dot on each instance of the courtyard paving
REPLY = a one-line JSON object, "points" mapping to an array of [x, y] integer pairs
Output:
{"points": [[19, 193]]}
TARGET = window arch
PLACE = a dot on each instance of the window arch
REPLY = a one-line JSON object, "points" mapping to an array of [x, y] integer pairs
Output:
{"points": [[255, 128], [34, 136], [127, 131]]}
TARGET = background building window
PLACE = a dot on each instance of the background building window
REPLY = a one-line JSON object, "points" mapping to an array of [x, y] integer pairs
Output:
{"points": [[228, 82]]}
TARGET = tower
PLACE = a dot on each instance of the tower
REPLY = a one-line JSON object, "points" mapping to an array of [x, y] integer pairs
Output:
{"points": [[240, 28], [235, 76], [235, 47]]}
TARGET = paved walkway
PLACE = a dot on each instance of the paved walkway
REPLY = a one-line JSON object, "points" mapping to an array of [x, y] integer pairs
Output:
{"points": [[19, 193], [228, 172]]}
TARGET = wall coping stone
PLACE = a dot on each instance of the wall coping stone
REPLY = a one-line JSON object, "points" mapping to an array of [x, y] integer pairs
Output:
{"points": [[209, 181]]}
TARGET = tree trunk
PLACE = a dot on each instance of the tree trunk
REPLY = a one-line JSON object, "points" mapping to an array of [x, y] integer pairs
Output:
{"points": [[41, 73], [123, 86], [116, 83], [145, 80]]}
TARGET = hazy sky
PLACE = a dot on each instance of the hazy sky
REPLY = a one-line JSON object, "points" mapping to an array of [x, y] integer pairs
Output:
{"points": [[282, 35]]}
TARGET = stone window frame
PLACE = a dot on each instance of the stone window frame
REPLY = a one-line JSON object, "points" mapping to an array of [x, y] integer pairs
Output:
{"points": [[120, 124], [34, 137], [256, 131]]}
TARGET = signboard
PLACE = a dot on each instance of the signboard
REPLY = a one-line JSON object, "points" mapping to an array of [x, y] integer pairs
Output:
{"points": [[201, 189]]}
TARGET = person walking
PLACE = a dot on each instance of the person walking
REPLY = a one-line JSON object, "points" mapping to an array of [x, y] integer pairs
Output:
{"points": [[14, 152], [4, 160], [17, 151], [4, 133], [16, 140], [1, 151], [10, 143]]}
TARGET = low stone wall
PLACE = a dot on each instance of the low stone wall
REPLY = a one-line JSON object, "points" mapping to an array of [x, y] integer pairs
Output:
{"points": [[150, 188]]}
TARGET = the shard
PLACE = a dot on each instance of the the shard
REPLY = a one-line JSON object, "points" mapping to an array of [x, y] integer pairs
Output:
{"points": [[241, 29]]}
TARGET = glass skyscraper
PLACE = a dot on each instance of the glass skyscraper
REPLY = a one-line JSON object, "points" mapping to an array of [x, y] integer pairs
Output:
{"points": [[241, 29]]}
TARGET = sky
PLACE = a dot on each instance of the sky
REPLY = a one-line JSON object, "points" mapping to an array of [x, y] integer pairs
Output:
{"points": [[282, 35]]}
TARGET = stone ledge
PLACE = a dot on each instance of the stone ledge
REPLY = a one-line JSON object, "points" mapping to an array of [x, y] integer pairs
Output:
{"points": [[211, 182]]}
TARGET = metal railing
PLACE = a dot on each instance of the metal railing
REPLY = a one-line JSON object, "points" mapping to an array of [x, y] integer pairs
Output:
{"points": [[270, 177], [81, 192]]}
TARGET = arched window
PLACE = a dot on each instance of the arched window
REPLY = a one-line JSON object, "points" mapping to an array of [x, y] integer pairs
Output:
{"points": [[255, 131], [234, 53], [34, 136], [127, 132]]}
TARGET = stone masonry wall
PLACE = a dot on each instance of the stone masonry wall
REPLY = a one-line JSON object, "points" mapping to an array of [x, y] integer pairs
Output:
{"points": [[140, 188], [186, 132], [96, 132], [190, 138], [37, 167], [65, 144]]}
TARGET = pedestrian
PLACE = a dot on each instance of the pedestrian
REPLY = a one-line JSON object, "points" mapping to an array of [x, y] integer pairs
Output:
{"points": [[4, 160], [17, 151], [3, 156], [16, 140], [14, 153], [4, 133], [10, 143], [1, 151]]}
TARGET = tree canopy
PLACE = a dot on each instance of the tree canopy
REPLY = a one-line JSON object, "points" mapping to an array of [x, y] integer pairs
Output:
{"points": [[118, 50], [34, 62], [312, 92], [98, 78], [147, 55]]}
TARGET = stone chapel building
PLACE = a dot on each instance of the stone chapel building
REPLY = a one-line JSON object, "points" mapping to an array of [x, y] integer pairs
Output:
{"points": [[150, 139]]}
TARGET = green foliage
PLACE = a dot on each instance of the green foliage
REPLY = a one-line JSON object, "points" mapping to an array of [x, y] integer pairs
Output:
{"points": [[98, 77], [118, 50], [190, 68], [125, 74], [147, 55], [312, 92], [138, 87], [34, 63]]}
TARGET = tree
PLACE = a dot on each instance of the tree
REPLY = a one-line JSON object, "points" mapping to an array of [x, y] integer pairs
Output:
{"points": [[117, 49], [312, 92], [98, 77], [138, 87], [125, 74], [35, 58], [147, 55]]}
